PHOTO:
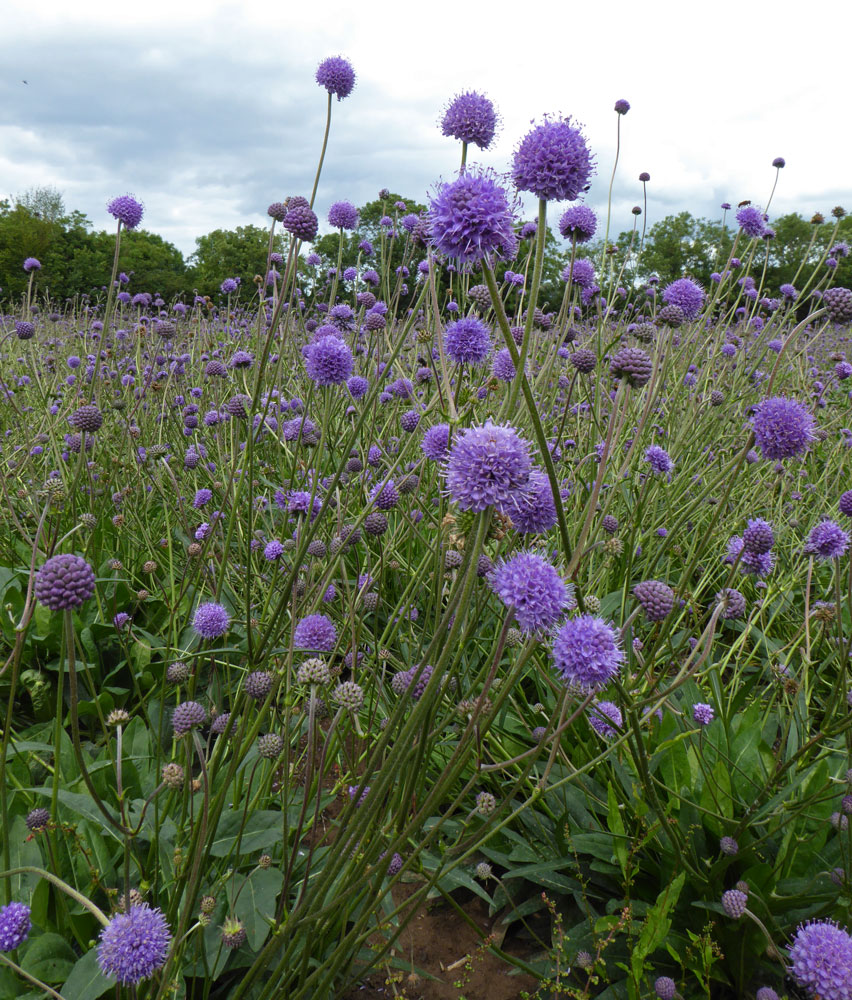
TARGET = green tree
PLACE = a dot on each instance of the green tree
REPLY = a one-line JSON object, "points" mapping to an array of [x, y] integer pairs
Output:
{"points": [[231, 253]]}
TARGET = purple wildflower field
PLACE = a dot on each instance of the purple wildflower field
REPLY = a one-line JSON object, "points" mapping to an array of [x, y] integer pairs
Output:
{"points": [[431, 569]]}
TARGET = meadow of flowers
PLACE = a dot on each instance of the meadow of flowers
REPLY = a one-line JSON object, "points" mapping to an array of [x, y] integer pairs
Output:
{"points": [[312, 596]]}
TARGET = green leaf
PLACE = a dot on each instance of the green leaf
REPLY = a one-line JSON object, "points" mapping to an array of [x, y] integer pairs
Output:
{"points": [[616, 828], [255, 906], [261, 831], [656, 926], [10, 985], [49, 958], [546, 874], [82, 807], [23, 852], [86, 981]]}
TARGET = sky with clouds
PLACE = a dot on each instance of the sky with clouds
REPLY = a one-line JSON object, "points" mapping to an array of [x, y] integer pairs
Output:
{"points": [[209, 111]]}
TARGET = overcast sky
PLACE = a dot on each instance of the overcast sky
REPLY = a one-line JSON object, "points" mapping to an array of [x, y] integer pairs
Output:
{"points": [[207, 112]]}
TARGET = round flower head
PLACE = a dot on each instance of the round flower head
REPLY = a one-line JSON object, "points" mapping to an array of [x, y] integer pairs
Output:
{"points": [[471, 218], [783, 428], [581, 273], [533, 589], [470, 117], [633, 365], [587, 652], [343, 215], [467, 341], [315, 632], [751, 221], [15, 925], [665, 987], [64, 582], [657, 599], [337, 76], [579, 223], [827, 541], [134, 945], [211, 621], [127, 210], [686, 294], [622, 106], [502, 366], [758, 537], [436, 442], [727, 845], [605, 718], [702, 713], [302, 222], [186, 716], [229, 285], [24, 329], [534, 511], [32, 264], [659, 460], [487, 466], [845, 503], [329, 361], [734, 903], [821, 960], [838, 304], [553, 161]]}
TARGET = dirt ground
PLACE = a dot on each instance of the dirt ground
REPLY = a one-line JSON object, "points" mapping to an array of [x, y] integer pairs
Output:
{"points": [[440, 943]]}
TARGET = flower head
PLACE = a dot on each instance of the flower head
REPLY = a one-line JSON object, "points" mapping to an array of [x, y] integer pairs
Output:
{"points": [[703, 713], [533, 589], [471, 218], [64, 582], [436, 442], [211, 620], [605, 718], [487, 466], [587, 652], [337, 76], [686, 294], [15, 925], [470, 117], [821, 959], [827, 541], [188, 715], [343, 215], [578, 222], [328, 361], [32, 264], [782, 427], [659, 459], [553, 161], [127, 210], [467, 341], [534, 510], [751, 221], [315, 632], [134, 945]]}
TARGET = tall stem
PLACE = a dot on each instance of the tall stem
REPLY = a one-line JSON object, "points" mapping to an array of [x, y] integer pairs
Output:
{"points": [[322, 151]]}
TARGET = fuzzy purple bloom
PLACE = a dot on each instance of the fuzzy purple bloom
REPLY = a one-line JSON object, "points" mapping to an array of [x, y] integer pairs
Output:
{"points": [[578, 222], [703, 713], [821, 959], [686, 294], [587, 652], [211, 620], [751, 221], [783, 428], [32, 264], [472, 218], [605, 718], [487, 465], [502, 366], [553, 161], [134, 945], [315, 632], [337, 76], [533, 589], [187, 716], [827, 541], [659, 460], [581, 273], [470, 117], [467, 341], [534, 510], [343, 215], [328, 361], [127, 210], [758, 537], [436, 442]]}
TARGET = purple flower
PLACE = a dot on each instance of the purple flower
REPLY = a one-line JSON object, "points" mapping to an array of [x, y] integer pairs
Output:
{"points": [[134, 945], [751, 221], [472, 218], [605, 718], [436, 442], [487, 465], [343, 215], [782, 427], [533, 589], [758, 537], [127, 210], [659, 460], [328, 361], [211, 621], [553, 161], [622, 106], [587, 652], [229, 285], [502, 367], [703, 713], [665, 987], [273, 550], [827, 541], [202, 497], [686, 294], [581, 273], [302, 222], [186, 716], [470, 117], [337, 76], [734, 903], [657, 599], [357, 386], [315, 632], [578, 222], [534, 510], [32, 264], [64, 582], [15, 925], [844, 504], [821, 959], [467, 341]]}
